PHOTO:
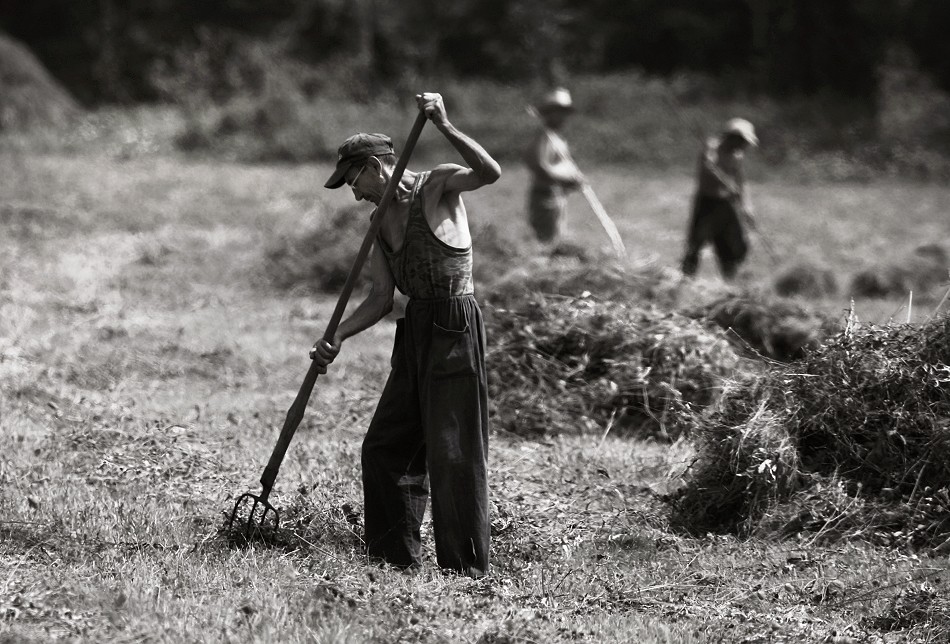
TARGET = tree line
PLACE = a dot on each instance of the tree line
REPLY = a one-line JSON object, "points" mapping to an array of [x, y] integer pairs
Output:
{"points": [[108, 50]]}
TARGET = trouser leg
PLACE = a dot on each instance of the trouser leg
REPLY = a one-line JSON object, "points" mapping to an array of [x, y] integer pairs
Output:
{"points": [[730, 242], [695, 239], [394, 470], [455, 415], [546, 207]]}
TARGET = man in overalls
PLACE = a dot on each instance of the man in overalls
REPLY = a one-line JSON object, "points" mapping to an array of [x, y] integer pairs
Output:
{"points": [[429, 434], [721, 204]]}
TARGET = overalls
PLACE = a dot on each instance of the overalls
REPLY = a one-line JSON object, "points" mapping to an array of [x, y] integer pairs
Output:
{"points": [[430, 429], [715, 219]]}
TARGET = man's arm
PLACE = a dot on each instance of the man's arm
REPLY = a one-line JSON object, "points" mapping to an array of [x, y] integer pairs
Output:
{"points": [[563, 171], [482, 168], [709, 166], [377, 304]]}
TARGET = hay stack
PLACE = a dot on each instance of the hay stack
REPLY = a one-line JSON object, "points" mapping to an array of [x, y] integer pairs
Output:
{"points": [[921, 271], [604, 281], [773, 327], [746, 462], [319, 260], [493, 252], [572, 365], [867, 413], [806, 280], [29, 96]]}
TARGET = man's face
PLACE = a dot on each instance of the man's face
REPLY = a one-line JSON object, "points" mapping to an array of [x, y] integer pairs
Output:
{"points": [[358, 178]]}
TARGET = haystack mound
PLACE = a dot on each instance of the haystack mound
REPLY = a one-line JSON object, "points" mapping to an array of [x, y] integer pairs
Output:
{"points": [[924, 269], [29, 96], [807, 280], [319, 260], [853, 441], [603, 281], [574, 365], [493, 250], [773, 327]]}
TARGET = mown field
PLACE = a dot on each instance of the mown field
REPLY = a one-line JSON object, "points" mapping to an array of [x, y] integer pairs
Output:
{"points": [[147, 362]]}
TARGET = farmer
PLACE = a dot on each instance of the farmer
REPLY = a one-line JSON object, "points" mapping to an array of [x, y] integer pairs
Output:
{"points": [[553, 172], [430, 428], [721, 204]]}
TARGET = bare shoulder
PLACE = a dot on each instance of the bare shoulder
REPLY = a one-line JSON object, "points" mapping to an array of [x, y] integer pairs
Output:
{"points": [[451, 178], [442, 173]]}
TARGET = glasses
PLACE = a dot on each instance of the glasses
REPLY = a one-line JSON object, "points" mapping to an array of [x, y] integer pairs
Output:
{"points": [[353, 182]]}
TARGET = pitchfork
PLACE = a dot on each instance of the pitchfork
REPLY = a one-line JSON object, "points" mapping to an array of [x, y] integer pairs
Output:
{"points": [[260, 502]]}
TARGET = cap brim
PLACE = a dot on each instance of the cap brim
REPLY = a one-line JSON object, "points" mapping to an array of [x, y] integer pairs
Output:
{"points": [[337, 178]]}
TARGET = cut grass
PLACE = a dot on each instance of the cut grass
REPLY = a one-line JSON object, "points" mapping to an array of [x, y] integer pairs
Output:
{"points": [[118, 461]]}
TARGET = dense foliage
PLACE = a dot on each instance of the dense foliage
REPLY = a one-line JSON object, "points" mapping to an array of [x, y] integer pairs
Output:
{"points": [[109, 50]]}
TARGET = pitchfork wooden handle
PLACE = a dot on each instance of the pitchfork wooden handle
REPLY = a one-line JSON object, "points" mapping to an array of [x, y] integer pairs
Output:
{"points": [[299, 406]]}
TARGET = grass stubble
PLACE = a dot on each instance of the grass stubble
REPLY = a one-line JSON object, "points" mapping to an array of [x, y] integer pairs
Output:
{"points": [[146, 364]]}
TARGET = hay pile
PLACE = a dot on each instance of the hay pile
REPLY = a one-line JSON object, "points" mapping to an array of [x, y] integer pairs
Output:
{"points": [[922, 271], [574, 365], [806, 280], [773, 327], [603, 281], [492, 250], [29, 96], [319, 260], [851, 441]]}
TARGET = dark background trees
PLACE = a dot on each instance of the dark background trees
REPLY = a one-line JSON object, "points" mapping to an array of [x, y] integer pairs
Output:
{"points": [[109, 50]]}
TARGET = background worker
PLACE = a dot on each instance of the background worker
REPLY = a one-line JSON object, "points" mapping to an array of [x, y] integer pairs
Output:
{"points": [[553, 172], [721, 203], [430, 427]]}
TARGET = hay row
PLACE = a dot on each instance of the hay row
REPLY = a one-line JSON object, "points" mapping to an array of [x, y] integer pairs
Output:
{"points": [[921, 271]]}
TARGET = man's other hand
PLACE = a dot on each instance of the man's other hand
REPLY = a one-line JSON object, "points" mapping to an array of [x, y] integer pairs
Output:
{"points": [[323, 354]]}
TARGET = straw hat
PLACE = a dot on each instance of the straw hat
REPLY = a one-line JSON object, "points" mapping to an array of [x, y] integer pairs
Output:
{"points": [[558, 98], [741, 128]]}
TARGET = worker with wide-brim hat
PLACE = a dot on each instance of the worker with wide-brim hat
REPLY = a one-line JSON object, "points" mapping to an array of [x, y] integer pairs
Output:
{"points": [[553, 172]]}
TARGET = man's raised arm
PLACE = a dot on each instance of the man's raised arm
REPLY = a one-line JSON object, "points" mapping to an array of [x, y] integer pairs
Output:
{"points": [[482, 168]]}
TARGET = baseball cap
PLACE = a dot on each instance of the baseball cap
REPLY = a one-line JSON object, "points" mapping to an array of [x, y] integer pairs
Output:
{"points": [[355, 149], [742, 128]]}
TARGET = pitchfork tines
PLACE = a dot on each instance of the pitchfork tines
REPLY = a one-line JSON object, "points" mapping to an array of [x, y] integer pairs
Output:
{"points": [[260, 506]]}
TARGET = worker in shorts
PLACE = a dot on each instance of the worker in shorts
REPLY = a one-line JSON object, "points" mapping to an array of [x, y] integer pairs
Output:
{"points": [[429, 433], [721, 207], [553, 172]]}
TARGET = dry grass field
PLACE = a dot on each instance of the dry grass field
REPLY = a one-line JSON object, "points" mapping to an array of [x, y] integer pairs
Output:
{"points": [[147, 362]]}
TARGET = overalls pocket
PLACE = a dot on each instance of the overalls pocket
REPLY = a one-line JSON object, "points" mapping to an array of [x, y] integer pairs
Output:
{"points": [[451, 353]]}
